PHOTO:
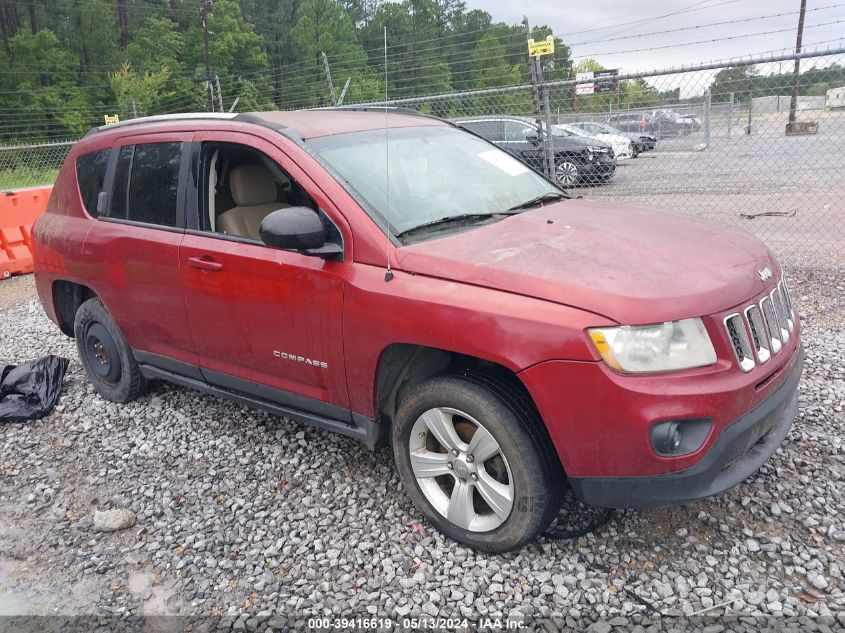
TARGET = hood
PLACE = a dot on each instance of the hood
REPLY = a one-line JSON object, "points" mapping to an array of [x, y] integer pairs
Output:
{"points": [[630, 264]]}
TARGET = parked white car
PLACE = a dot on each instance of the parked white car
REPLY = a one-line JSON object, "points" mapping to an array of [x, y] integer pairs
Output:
{"points": [[622, 147]]}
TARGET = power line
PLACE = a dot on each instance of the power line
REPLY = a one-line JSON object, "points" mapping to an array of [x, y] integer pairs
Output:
{"points": [[715, 39]]}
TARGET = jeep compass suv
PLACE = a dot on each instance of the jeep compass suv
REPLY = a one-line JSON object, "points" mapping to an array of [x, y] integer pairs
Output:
{"points": [[504, 338]]}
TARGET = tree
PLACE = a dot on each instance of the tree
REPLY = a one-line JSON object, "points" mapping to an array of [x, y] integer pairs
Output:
{"points": [[737, 79], [46, 88], [322, 26], [236, 56], [491, 64], [139, 93]]}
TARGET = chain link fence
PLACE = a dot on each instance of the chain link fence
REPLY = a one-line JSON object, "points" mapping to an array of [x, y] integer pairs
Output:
{"points": [[31, 165], [724, 146], [715, 140]]}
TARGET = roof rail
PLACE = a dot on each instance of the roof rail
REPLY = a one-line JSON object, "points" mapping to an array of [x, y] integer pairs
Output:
{"points": [[381, 108], [161, 118]]}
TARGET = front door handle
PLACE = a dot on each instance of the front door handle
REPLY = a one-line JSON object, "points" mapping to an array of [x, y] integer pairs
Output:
{"points": [[205, 263]]}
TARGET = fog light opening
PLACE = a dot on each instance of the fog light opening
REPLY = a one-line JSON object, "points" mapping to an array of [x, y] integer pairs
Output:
{"points": [[679, 437]]}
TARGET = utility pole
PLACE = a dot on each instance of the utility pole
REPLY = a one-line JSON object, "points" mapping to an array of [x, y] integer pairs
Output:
{"points": [[205, 7], [793, 104]]}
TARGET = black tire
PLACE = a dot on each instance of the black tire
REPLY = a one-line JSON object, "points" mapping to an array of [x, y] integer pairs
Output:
{"points": [[533, 468], [105, 354]]}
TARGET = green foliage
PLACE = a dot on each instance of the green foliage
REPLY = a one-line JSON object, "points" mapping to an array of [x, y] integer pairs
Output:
{"points": [[139, 93], [87, 58]]}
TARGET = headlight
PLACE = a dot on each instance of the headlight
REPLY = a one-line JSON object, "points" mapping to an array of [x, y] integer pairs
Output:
{"points": [[654, 348]]}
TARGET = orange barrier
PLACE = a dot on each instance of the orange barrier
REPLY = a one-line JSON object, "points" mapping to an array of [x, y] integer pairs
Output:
{"points": [[18, 212]]}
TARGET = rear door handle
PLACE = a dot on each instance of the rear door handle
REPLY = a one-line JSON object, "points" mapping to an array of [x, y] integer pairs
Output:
{"points": [[205, 263]]}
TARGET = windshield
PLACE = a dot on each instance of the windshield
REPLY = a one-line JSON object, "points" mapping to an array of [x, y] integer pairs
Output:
{"points": [[435, 173]]}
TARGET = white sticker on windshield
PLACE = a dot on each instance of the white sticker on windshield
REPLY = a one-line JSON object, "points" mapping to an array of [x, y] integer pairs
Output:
{"points": [[498, 158]]}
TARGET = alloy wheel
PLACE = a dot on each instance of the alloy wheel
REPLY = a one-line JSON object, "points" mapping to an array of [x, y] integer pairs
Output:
{"points": [[461, 470]]}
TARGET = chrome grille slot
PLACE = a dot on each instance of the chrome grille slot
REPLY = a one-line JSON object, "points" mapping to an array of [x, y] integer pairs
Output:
{"points": [[739, 341], [787, 304], [759, 333], [780, 311], [771, 324]]}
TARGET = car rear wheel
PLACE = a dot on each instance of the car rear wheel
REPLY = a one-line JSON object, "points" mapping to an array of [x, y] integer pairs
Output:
{"points": [[105, 354], [567, 172], [474, 467]]}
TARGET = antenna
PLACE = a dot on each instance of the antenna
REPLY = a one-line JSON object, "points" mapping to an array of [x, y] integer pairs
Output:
{"points": [[388, 275]]}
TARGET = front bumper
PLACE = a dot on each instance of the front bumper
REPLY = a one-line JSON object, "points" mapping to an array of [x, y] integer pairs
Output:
{"points": [[741, 449], [600, 169]]}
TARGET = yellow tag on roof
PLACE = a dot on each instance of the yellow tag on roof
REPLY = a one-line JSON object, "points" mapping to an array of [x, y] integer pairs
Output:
{"points": [[111, 120], [543, 47]]}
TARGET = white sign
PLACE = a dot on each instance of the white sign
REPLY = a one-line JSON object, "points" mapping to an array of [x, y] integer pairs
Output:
{"points": [[585, 88]]}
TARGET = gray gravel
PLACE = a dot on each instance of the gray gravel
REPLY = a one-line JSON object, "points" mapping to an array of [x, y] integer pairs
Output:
{"points": [[250, 519]]}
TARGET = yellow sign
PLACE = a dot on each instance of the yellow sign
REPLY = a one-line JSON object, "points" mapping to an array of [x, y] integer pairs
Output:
{"points": [[543, 47], [111, 120]]}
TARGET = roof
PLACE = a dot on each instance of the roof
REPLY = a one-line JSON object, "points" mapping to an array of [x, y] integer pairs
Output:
{"points": [[306, 123], [328, 122]]}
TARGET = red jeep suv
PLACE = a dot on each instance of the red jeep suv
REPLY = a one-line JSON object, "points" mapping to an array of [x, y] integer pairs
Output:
{"points": [[389, 276]]}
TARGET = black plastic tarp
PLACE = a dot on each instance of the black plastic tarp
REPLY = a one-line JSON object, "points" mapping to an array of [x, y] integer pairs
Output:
{"points": [[30, 390]]}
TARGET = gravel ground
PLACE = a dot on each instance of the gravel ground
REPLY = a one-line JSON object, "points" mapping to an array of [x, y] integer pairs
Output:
{"points": [[16, 290], [253, 522]]}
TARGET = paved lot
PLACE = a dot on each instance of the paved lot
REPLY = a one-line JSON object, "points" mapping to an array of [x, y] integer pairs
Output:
{"points": [[248, 520], [767, 172]]}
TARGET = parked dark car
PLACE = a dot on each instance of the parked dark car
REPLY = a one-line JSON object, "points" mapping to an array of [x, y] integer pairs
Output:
{"points": [[577, 160], [691, 121], [641, 141], [660, 123]]}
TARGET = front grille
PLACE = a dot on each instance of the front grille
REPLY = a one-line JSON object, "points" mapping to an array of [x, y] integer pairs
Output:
{"points": [[761, 331]]}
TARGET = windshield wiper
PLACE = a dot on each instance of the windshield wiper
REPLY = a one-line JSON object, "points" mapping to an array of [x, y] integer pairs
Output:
{"points": [[447, 220], [533, 202]]}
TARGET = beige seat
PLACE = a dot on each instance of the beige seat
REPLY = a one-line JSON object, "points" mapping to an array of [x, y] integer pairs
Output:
{"points": [[254, 192]]}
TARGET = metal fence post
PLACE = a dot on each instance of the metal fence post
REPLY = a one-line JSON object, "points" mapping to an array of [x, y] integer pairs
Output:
{"points": [[750, 107], [730, 114], [707, 115], [547, 116]]}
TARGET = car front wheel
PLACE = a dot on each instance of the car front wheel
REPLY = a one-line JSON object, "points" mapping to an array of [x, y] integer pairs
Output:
{"points": [[476, 469], [567, 172]]}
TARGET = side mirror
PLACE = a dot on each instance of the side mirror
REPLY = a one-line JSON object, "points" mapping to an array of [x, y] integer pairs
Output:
{"points": [[298, 229], [533, 139]]}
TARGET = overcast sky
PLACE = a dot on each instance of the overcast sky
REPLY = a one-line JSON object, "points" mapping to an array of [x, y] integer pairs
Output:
{"points": [[587, 27]]}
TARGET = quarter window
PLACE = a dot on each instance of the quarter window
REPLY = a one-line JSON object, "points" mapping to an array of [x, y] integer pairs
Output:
{"points": [[91, 174]]}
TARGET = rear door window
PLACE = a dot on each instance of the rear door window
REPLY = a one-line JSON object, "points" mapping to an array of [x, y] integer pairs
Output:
{"points": [[146, 183], [120, 187], [154, 183], [91, 176]]}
